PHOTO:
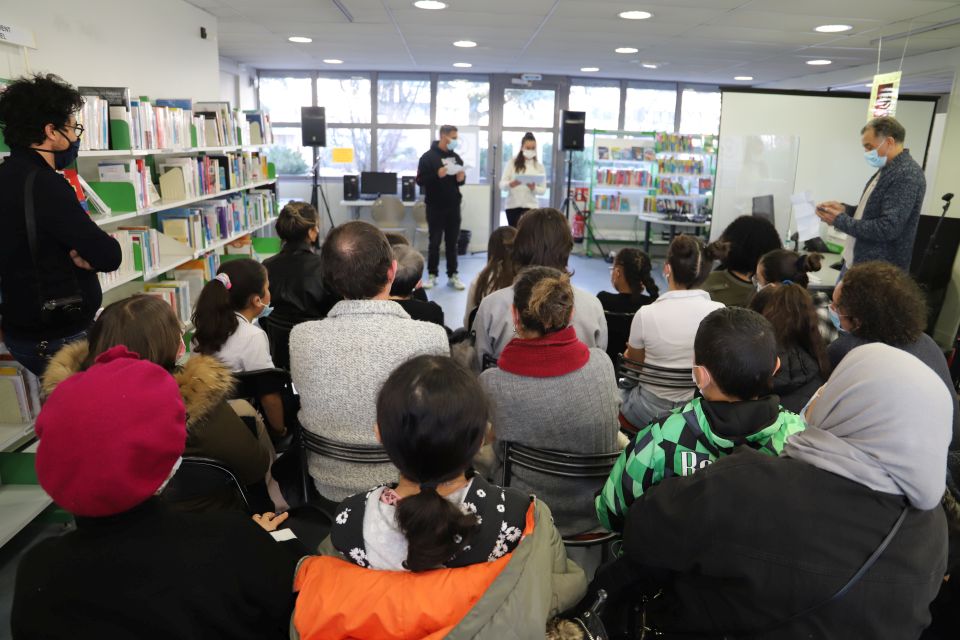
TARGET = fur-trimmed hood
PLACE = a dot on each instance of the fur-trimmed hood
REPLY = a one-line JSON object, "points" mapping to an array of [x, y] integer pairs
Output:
{"points": [[204, 381]]}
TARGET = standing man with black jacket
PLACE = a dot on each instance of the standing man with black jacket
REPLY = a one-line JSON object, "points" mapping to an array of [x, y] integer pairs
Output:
{"points": [[440, 175], [49, 286]]}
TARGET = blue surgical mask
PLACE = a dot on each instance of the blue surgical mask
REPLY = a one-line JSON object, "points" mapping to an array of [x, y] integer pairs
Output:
{"points": [[835, 319], [874, 159], [452, 145], [264, 312]]}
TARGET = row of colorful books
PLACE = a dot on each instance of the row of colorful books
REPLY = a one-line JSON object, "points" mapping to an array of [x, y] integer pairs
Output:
{"points": [[187, 177], [205, 224], [624, 178]]}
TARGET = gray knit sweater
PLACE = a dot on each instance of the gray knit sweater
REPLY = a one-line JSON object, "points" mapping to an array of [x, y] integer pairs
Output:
{"points": [[338, 365], [576, 412]]}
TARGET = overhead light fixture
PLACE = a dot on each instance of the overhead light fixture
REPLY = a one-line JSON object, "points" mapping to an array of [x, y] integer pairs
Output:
{"points": [[648, 65], [430, 4], [589, 69], [743, 78], [332, 61], [819, 63], [462, 65], [626, 50], [300, 39], [465, 44], [833, 28], [635, 15]]}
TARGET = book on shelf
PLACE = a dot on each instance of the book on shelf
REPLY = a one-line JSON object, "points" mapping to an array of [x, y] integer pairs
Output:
{"points": [[146, 248], [176, 293], [260, 130], [94, 201], [208, 265], [94, 115], [194, 276], [225, 126], [19, 394], [73, 178], [118, 125], [127, 261], [174, 123], [136, 172]]}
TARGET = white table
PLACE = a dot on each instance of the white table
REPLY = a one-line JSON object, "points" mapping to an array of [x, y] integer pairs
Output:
{"points": [[827, 277], [356, 205], [650, 219]]}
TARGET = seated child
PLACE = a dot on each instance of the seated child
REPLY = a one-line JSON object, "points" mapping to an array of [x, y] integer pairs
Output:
{"points": [[412, 559], [224, 319], [735, 356], [406, 284]]}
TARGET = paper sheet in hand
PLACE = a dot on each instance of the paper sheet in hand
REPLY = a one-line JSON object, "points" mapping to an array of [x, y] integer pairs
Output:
{"points": [[804, 212], [531, 179], [453, 169]]}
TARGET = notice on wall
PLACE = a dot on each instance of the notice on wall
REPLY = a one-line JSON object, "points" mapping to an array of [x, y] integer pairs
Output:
{"points": [[17, 36], [883, 95], [342, 155]]}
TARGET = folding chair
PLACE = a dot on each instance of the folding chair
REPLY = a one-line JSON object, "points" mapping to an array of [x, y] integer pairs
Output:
{"points": [[200, 477]]}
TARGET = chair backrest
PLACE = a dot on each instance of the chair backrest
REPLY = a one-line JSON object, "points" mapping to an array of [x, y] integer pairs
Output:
{"points": [[618, 332], [198, 477], [359, 453], [387, 211], [630, 373], [278, 334], [560, 464], [489, 362], [253, 384], [420, 213]]}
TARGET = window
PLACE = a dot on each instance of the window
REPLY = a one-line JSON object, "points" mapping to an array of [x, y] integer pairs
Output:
{"points": [[463, 102], [283, 97], [403, 100], [600, 102], [357, 139], [399, 150], [528, 108], [650, 109], [287, 153], [700, 111], [346, 98]]}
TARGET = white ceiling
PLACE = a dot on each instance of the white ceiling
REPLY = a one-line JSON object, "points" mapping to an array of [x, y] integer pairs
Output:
{"points": [[691, 40]]}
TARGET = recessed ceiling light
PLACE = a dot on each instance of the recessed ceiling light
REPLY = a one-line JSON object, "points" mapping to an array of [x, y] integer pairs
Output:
{"points": [[648, 65], [332, 61], [818, 63], [462, 65], [626, 50], [833, 28], [743, 78], [589, 69], [466, 44], [635, 15], [300, 39], [430, 4]]}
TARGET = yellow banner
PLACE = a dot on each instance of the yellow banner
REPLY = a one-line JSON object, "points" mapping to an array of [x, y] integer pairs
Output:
{"points": [[883, 95], [342, 155]]}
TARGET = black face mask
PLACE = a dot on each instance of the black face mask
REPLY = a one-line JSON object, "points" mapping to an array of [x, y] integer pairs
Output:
{"points": [[64, 158]]}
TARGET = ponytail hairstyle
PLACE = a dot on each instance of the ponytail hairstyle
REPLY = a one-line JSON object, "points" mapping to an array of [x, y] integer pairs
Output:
{"points": [[687, 259], [499, 271], [636, 267], [295, 221], [780, 265], [793, 314], [214, 317], [432, 415], [543, 297], [520, 163]]}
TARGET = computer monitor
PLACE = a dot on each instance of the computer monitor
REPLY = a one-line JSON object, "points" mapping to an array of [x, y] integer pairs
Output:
{"points": [[763, 208], [378, 183]]}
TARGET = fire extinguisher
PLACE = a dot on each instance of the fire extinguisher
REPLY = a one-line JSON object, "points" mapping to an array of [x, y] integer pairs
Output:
{"points": [[579, 226]]}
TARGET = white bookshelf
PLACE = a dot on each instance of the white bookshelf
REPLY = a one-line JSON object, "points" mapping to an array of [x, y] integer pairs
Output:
{"points": [[20, 504]]}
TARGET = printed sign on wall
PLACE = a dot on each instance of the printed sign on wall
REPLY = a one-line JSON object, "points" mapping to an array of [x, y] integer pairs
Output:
{"points": [[883, 96]]}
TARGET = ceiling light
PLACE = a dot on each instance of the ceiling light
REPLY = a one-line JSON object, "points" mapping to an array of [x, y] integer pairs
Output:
{"points": [[833, 28], [462, 65], [430, 4], [589, 69], [626, 50], [300, 39], [648, 65], [635, 15], [332, 61], [819, 63], [466, 44], [743, 78]]}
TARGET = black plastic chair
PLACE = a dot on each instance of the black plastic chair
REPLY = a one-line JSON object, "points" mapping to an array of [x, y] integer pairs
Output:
{"points": [[618, 332], [630, 373], [278, 334], [489, 362], [250, 385], [562, 464], [200, 477]]}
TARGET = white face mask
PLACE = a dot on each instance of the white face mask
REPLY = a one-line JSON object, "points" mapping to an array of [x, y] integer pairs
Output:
{"points": [[529, 154]]}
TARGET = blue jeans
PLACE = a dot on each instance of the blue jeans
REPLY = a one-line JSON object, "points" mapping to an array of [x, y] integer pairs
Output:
{"points": [[34, 354]]}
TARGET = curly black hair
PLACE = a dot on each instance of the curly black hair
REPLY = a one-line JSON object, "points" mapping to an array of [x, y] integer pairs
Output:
{"points": [[29, 104], [884, 303]]}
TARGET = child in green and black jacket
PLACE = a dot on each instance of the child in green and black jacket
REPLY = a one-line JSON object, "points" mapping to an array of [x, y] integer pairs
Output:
{"points": [[736, 358]]}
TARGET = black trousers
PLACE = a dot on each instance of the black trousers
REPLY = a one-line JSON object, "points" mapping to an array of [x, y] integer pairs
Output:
{"points": [[443, 223], [513, 215]]}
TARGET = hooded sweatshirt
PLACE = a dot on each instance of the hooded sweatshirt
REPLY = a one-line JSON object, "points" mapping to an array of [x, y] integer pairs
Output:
{"points": [[442, 193]]}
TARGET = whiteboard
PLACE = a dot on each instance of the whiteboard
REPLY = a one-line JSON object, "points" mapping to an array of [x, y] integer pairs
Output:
{"points": [[830, 163]]}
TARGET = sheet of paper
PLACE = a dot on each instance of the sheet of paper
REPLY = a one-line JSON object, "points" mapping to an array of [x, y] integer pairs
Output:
{"points": [[342, 155], [804, 213], [453, 169], [531, 179]]}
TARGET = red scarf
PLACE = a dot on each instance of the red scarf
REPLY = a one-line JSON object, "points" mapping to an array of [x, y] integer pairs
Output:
{"points": [[555, 354]]}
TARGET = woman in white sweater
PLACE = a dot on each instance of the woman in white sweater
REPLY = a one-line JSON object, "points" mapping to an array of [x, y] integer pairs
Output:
{"points": [[522, 194]]}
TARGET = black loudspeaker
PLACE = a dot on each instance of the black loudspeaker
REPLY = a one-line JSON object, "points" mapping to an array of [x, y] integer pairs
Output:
{"points": [[572, 127], [934, 277], [351, 187], [313, 122], [408, 188]]}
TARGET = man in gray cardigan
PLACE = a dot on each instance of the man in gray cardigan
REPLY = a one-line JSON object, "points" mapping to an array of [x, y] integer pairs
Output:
{"points": [[884, 224], [338, 364]]}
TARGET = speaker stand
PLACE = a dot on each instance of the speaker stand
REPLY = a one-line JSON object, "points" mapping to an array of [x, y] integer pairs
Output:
{"points": [[933, 239], [318, 187]]}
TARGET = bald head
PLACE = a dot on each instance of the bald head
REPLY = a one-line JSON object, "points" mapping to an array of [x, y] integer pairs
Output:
{"points": [[357, 261]]}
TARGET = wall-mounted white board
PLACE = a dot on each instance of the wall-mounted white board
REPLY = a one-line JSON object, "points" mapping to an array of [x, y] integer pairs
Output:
{"points": [[830, 163]]}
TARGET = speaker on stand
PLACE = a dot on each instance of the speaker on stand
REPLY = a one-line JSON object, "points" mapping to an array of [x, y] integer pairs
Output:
{"points": [[572, 132], [313, 127]]}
